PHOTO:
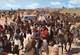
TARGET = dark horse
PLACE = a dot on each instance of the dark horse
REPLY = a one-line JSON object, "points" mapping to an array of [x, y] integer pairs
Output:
{"points": [[66, 38]]}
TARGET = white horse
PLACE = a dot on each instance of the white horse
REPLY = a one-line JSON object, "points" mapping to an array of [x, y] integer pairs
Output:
{"points": [[27, 40], [27, 43]]}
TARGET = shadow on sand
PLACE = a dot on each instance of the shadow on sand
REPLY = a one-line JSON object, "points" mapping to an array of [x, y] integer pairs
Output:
{"points": [[78, 44], [74, 50]]}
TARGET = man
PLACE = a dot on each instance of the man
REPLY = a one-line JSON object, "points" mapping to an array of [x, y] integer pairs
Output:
{"points": [[44, 33], [44, 36], [1, 28], [38, 42], [1, 44]]}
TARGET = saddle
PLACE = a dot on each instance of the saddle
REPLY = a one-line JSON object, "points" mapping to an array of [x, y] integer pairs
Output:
{"points": [[28, 47]]}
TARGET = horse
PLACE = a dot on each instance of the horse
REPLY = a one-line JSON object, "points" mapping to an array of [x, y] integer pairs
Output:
{"points": [[70, 38], [66, 38], [28, 43], [60, 35]]}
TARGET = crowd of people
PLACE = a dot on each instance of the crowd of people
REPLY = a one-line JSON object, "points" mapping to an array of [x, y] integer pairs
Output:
{"points": [[36, 34]]}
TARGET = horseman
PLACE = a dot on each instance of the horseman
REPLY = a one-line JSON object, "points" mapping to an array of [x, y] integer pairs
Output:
{"points": [[74, 31], [6, 44], [44, 36], [37, 40], [60, 33], [15, 41], [1, 44], [6, 26], [70, 36], [1, 29]]}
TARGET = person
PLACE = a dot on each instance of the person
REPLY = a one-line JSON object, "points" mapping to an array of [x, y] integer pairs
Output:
{"points": [[17, 45], [1, 45], [38, 41], [6, 44], [1, 28], [55, 50], [44, 33], [44, 36], [17, 42], [22, 36]]}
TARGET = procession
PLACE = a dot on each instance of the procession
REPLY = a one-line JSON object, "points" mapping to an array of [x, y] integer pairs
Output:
{"points": [[39, 27], [22, 34]]}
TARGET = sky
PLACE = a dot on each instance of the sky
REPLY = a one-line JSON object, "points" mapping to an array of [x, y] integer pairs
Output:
{"points": [[15, 4]]}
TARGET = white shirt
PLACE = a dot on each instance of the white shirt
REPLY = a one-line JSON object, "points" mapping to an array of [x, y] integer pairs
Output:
{"points": [[17, 42]]}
